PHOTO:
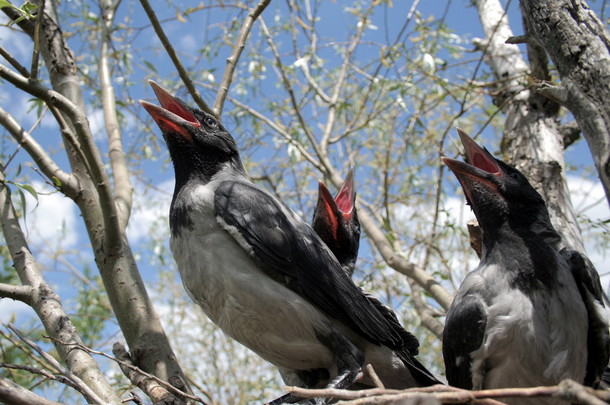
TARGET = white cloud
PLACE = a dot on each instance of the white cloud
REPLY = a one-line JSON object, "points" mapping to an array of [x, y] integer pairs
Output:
{"points": [[14, 311], [52, 220], [96, 123], [188, 43], [149, 207]]}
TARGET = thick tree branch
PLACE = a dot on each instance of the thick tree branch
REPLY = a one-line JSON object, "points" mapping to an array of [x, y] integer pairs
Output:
{"points": [[76, 382], [14, 394], [81, 124], [531, 138], [227, 77], [21, 293], [123, 189], [186, 79], [579, 46], [135, 314], [47, 304]]}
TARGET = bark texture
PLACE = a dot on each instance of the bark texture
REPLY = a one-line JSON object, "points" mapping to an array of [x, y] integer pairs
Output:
{"points": [[532, 140], [579, 46]]}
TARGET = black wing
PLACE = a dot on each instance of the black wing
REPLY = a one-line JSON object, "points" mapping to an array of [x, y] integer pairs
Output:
{"points": [[463, 334], [590, 289], [291, 252]]}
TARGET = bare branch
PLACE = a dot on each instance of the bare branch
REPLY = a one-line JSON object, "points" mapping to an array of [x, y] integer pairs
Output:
{"points": [[47, 304], [280, 131], [41, 372], [157, 389], [78, 383], [334, 98], [21, 293], [67, 182], [122, 183], [295, 105], [37, 40], [14, 394], [81, 124], [232, 60], [567, 390], [174, 57], [20, 68]]}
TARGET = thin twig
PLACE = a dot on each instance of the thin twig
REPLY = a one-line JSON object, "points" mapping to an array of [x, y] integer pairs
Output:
{"points": [[174, 57], [20, 68], [37, 41], [119, 349], [232, 60], [78, 383]]}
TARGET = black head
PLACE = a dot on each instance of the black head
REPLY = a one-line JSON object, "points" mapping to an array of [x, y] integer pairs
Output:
{"points": [[497, 192], [198, 144], [335, 220]]}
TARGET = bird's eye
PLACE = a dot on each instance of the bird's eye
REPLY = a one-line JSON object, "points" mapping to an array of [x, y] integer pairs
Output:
{"points": [[210, 122], [515, 176]]}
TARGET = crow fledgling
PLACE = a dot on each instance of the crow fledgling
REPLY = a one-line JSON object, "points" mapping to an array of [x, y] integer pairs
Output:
{"points": [[263, 275], [528, 315], [335, 220]]}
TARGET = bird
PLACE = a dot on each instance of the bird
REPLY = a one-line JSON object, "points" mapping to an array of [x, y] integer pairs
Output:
{"points": [[335, 220], [529, 314], [262, 275]]}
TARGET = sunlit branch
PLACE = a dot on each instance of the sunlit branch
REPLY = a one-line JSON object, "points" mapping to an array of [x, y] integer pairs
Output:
{"points": [[67, 182], [336, 92], [122, 183], [295, 105], [278, 129], [227, 77], [21, 293], [567, 390], [91, 153], [48, 306], [12, 393], [76, 381], [37, 40], [174, 57], [9, 58]]}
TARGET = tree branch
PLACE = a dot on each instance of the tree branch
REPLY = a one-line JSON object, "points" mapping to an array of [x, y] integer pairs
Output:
{"points": [[174, 57], [77, 383], [334, 98], [295, 105], [21, 293], [232, 60], [14, 394], [567, 390], [67, 182], [47, 304], [123, 189], [20, 68], [112, 228]]}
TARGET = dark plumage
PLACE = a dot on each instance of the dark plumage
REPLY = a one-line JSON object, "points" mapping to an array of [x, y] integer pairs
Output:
{"points": [[528, 315], [263, 275]]}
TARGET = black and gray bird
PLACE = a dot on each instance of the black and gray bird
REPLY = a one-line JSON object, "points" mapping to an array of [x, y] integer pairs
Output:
{"points": [[528, 315], [263, 275], [335, 220]]}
